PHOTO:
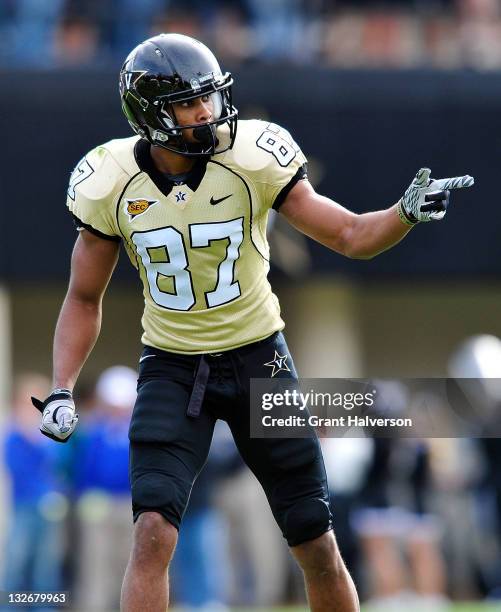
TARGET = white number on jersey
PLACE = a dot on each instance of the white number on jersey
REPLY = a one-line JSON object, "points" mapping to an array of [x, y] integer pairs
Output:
{"points": [[171, 241], [279, 143], [176, 266], [82, 171], [201, 235]]}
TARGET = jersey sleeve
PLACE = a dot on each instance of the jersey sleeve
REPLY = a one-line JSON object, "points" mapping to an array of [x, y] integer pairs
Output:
{"points": [[92, 191], [277, 163]]}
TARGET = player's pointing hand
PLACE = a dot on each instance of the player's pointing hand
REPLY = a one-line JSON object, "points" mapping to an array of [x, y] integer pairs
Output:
{"points": [[426, 199]]}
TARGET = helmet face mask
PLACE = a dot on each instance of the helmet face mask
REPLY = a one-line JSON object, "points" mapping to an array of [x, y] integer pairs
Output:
{"points": [[169, 69]]}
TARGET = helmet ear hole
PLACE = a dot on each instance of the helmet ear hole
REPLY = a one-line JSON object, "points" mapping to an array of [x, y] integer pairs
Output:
{"points": [[168, 118]]}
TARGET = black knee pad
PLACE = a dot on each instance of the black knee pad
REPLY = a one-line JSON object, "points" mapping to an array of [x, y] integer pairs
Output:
{"points": [[160, 493], [307, 520]]}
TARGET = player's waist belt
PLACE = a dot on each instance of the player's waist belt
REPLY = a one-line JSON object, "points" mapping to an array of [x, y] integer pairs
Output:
{"points": [[233, 358], [199, 386], [203, 371]]}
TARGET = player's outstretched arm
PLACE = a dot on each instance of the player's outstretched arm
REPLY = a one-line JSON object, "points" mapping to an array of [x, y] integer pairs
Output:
{"points": [[365, 236], [77, 329]]}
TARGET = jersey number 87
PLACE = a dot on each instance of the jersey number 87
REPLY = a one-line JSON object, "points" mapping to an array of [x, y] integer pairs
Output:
{"points": [[171, 241]]}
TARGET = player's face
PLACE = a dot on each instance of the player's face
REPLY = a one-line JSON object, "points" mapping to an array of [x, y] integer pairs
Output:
{"points": [[194, 112]]}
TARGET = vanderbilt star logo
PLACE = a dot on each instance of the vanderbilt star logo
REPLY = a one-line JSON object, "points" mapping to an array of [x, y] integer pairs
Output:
{"points": [[180, 196], [213, 201], [278, 363]]}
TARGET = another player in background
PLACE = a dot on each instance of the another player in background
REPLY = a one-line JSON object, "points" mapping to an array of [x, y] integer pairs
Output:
{"points": [[189, 197]]}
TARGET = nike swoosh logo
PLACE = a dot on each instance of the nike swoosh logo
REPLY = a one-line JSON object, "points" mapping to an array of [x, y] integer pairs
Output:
{"points": [[213, 201], [146, 357]]}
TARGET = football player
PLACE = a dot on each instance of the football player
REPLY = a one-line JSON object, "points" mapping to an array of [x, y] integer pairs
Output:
{"points": [[188, 197]]}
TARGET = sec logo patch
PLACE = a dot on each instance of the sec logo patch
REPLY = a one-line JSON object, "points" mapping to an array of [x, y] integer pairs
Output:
{"points": [[137, 207]]}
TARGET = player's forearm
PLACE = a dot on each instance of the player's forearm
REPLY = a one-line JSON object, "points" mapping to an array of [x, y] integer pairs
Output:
{"points": [[375, 232], [76, 333]]}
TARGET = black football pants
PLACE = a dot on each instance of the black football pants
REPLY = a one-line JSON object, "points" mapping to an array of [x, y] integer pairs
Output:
{"points": [[168, 447]]}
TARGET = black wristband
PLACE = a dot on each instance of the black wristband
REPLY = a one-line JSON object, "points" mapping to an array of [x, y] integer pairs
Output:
{"points": [[406, 217]]}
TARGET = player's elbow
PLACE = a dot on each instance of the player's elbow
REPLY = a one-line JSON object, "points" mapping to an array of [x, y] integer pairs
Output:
{"points": [[359, 254], [84, 299], [353, 247]]}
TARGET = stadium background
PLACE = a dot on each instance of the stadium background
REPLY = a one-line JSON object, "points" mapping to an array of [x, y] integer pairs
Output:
{"points": [[371, 91]]}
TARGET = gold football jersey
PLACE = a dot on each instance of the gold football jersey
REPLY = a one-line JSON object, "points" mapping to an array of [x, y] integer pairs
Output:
{"points": [[199, 245]]}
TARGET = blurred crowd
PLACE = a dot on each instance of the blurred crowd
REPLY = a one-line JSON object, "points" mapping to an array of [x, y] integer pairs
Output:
{"points": [[402, 507], [343, 33]]}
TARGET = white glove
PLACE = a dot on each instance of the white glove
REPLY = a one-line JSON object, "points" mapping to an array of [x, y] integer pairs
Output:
{"points": [[59, 417], [426, 199]]}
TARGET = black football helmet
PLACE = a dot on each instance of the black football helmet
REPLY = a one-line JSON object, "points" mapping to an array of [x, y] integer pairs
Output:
{"points": [[174, 68]]}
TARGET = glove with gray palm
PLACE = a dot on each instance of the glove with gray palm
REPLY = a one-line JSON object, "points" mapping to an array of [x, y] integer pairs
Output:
{"points": [[426, 199], [59, 418]]}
